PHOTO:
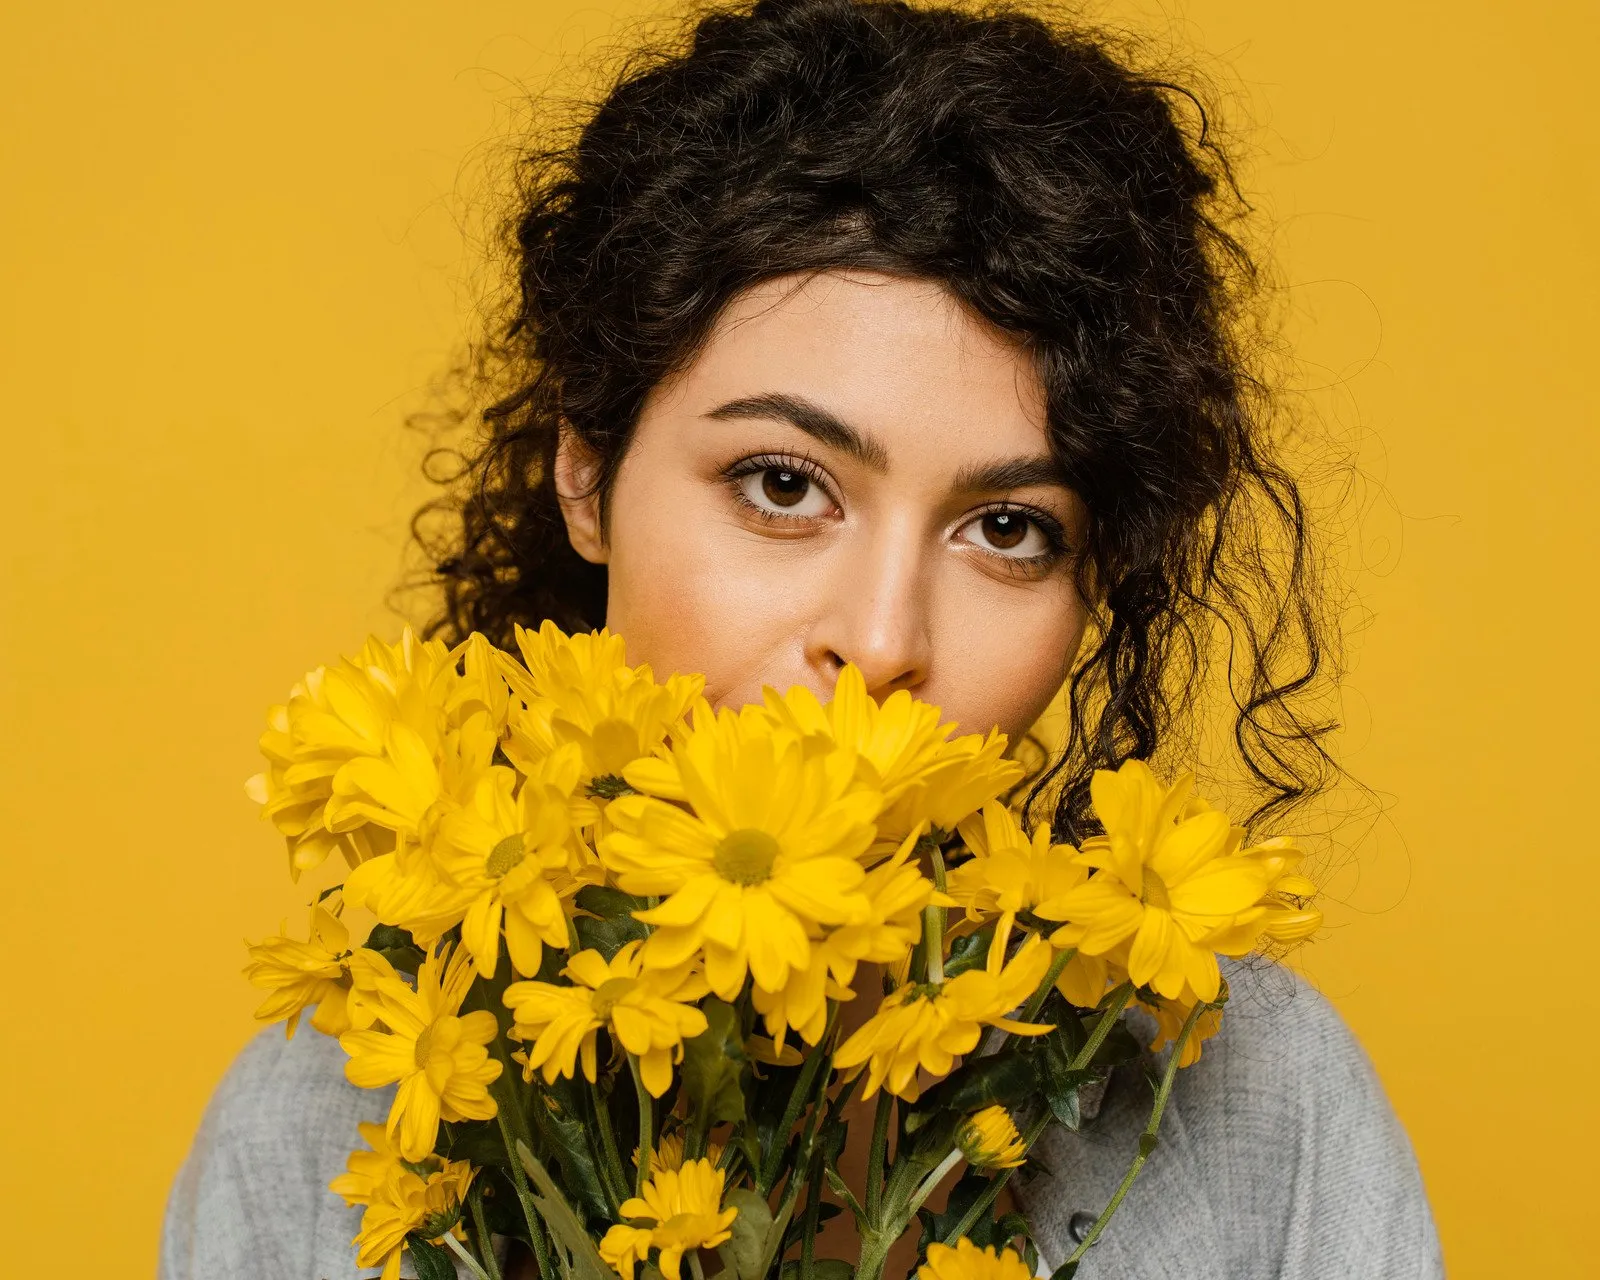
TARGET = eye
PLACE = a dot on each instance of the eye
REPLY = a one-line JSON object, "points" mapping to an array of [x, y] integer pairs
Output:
{"points": [[782, 488], [1011, 533]]}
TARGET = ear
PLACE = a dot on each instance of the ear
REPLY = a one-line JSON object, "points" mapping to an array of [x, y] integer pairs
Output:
{"points": [[577, 490]]}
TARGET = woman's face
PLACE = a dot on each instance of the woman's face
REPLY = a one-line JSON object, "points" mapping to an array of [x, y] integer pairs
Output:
{"points": [[854, 468]]}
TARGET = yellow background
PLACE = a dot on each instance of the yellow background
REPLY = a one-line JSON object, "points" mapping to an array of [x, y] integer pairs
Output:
{"points": [[233, 256]]}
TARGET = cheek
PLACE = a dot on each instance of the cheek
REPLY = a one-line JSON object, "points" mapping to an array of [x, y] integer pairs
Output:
{"points": [[693, 592], [1006, 657]]}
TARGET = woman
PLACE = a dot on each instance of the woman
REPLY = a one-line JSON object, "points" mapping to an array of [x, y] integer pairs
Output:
{"points": [[908, 338]]}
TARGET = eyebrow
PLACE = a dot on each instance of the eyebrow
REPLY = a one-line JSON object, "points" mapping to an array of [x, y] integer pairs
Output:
{"points": [[830, 429], [813, 419], [1014, 473]]}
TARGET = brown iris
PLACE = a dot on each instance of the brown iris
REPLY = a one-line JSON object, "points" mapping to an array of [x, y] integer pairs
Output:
{"points": [[784, 488], [1004, 529]]}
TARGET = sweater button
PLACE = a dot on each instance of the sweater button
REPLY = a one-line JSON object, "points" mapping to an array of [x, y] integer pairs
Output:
{"points": [[1080, 1224]]}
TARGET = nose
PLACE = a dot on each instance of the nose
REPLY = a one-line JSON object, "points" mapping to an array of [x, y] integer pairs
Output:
{"points": [[877, 616]]}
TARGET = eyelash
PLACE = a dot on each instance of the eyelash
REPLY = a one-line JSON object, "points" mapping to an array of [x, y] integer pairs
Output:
{"points": [[812, 470], [798, 463]]}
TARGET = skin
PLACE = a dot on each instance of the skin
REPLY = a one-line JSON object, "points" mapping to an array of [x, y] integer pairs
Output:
{"points": [[919, 528]]}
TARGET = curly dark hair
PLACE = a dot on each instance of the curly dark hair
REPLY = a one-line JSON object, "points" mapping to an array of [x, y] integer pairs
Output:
{"points": [[1025, 164]]}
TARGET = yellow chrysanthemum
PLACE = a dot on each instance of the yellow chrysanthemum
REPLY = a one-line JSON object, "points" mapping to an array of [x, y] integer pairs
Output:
{"points": [[650, 1012], [365, 1171], [1287, 914], [1170, 1015], [768, 851], [334, 716], [667, 1154], [299, 975], [989, 1140], [421, 775], [511, 853], [1009, 873], [625, 1248], [684, 1206], [424, 1198], [902, 752], [437, 1057], [895, 892], [968, 1262], [928, 1025], [1167, 877], [580, 690]]}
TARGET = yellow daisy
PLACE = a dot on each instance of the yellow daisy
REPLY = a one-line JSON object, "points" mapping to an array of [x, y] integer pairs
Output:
{"points": [[649, 1012], [334, 716], [989, 1140], [1009, 872], [435, 1055], [579, 690], [895, 892], [968, 1262], [301, 975], [1170, 1015], [684, 1208], [768, 850], [668, 1154], [1167, 877], [426, 1200], [511, 855], [928, 1025], [902, 752], [365, 1171]]}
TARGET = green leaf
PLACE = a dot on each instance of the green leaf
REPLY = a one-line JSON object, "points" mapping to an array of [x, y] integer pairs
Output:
{"points": [[582, 1260], [432, 1261], [742, 1254], [610, 935], [476, 1141], [396, 946], [1002, 1079], [713, 1066], [936, 1227], [607, 902], [1065, 1271], [969, 952], [557, 1112]]}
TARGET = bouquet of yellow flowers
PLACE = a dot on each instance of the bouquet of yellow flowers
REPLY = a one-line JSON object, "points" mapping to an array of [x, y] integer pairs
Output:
{"points": [[616, 931]]}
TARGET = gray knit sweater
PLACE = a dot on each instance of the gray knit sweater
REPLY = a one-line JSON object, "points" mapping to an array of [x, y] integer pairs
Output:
{"points": [[1279, 1157]]}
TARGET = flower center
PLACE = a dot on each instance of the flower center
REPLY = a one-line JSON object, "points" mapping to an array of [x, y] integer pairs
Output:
{"points": [[746, 856], [1155, 891], [506, 855], [607, 994]]}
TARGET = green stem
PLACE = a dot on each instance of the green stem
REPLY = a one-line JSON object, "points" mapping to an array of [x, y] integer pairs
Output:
{"points": [[808, 1230], [991, 1193], [480, 1226], [791, 1186], [694, 1264], [791, 1110], [930, 1184], [647, 1128], [1031, 1009], [933, 922], [1102, 1028], [1147, 1140], [456, 1247], [530, 1211], [611, 1160], [880, 1153]]}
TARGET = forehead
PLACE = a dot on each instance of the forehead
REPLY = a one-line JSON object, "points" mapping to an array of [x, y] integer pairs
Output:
{"points": [[899, 357]]}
